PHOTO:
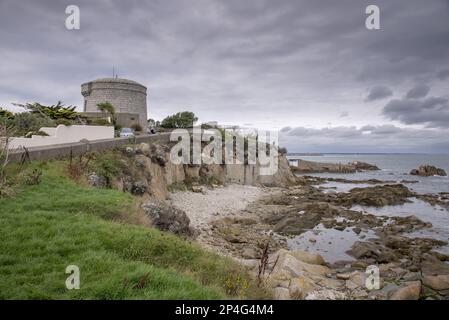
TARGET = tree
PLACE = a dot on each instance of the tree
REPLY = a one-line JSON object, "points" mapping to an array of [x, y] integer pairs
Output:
{"points": [[54, 112], [183, 119], [6, 114], [153, 123], [25, 122], [107, 107]]}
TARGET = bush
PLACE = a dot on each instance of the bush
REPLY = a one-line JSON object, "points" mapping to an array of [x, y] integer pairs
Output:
{"points": [[65, 122], [100, 122]]}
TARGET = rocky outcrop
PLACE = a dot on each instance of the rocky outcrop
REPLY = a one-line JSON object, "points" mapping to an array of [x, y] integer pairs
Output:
{"points": [[304, 166], [377, 196], [427, 171]]}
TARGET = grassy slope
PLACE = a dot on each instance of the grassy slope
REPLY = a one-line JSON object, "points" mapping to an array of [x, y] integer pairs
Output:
{"points": [[57, 223]]}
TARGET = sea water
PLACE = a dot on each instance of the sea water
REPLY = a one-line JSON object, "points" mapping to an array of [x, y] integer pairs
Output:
{"points": [[393, 167]]}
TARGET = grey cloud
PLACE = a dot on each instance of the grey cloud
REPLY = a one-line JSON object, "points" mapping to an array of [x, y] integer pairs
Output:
{"points": [[418, 92], [385, 138], [379, 92], [431, 112], [443, 74], [256, 61]]}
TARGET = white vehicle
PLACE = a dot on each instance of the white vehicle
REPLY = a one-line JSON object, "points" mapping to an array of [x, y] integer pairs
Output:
{"points": [[126, 132]]}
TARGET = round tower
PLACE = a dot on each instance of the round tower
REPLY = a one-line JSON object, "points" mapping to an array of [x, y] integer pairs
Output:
{"points": [[126, 96]]}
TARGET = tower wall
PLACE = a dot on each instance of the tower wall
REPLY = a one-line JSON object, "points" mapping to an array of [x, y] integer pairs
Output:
{"points": [[125, 95]]}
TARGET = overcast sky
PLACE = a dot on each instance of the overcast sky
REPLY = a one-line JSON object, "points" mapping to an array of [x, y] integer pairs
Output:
{"points": [[307, 68]]}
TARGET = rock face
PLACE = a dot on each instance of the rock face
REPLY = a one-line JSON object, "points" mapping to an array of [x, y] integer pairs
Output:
{"points": [[427, 171], [146, 171], [168, 218]]}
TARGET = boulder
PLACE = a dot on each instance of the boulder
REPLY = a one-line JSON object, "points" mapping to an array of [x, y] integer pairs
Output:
{"points": [[411, 291], [370, 250], [168, 218], [97, 181], [143, 148], [427, 171], [198, 189], [296, 268], [326, 294], [438, 283], [356, 280], [138, 188], [304, 256], [300, 287], [281, 293]]}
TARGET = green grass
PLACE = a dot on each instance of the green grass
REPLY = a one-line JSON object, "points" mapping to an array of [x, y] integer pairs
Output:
{"points": [[46, 227]]}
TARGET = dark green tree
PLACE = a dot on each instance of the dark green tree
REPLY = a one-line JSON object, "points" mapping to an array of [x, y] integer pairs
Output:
{"points": [[54, 112], [183, 119]]}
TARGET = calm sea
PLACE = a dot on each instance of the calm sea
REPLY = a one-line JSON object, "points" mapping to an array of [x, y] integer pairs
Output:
{"points": [[332, 244], [393, 167]]}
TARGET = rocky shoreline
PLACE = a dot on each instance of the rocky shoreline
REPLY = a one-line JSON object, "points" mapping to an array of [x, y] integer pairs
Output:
{"points": [[410, 268], [285, 233]]}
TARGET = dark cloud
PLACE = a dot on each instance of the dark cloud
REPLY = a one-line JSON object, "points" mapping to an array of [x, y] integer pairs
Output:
{"points": [[379, 92], [432, 112], [418, 92], [268, 63], [443, 74]]}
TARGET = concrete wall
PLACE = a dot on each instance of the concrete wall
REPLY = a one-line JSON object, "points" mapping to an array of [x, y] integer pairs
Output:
{"points": [[64, 150], [64, 134], [125, 120], [125, 95]]}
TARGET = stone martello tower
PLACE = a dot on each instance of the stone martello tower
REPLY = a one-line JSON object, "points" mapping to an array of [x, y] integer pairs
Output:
{"points": [[126, 96]]}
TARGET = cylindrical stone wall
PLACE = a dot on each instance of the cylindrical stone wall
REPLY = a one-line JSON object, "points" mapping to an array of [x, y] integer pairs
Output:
{"points": [[125, 95]]}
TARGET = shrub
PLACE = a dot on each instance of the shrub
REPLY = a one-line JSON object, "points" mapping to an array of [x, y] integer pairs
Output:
{"points": [[100, 122], [33, 177], [65, 122]]}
